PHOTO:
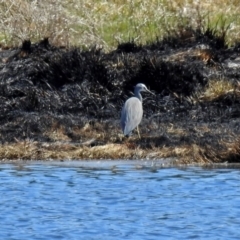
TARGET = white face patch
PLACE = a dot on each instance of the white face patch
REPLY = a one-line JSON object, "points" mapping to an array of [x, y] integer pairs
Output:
{"points": [[141, 86]]}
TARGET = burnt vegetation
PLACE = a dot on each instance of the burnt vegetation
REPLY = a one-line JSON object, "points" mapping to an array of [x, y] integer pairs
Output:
{"points": [[43, 87]]}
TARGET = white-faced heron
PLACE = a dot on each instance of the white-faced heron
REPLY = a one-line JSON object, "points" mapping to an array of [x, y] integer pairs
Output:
{"points": [[132, 110]]}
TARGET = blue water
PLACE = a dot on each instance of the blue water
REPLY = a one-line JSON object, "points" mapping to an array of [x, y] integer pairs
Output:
{"points": [[118, 200]]}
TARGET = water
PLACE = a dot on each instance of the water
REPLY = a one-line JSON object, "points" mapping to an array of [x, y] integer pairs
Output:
{"points": [[118, 200]]}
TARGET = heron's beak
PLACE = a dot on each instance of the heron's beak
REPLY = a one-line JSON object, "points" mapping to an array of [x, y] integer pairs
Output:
{"points": [[150, 92]]}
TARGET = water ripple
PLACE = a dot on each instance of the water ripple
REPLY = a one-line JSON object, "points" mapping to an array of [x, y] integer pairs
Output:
{"points": [[118, 201]]}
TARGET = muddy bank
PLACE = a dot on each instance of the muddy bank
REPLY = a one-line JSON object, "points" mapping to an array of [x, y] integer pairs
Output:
{"points": [[64, 103]]}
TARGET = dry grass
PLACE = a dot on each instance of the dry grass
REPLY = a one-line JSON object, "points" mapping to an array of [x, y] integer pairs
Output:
{"points": [[186, 154], [96, 145], [57, 134], [34, 20], [106, 23], [216, 89], [19, 150]]}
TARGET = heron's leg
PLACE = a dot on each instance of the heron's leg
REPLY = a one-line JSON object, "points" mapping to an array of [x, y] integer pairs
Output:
{"points": [[138, 133]]}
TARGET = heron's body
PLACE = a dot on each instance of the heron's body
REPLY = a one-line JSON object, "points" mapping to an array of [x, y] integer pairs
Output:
{"points": [[132, 111], [130, 118]]}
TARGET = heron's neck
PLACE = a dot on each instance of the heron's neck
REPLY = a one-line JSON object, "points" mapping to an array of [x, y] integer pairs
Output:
{"points": [[138, 95]]}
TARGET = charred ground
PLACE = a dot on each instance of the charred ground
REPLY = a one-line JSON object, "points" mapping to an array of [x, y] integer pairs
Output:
{"points": [[52, 95]]}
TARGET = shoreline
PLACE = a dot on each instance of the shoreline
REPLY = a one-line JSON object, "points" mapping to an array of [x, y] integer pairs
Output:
{"points": [[119, 164]]}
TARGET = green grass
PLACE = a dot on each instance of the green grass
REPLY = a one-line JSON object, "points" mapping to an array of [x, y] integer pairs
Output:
{"points": [[105, 23]]}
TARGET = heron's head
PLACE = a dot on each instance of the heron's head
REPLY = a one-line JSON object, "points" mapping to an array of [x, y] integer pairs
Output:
{"points": [[140, 87]]}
